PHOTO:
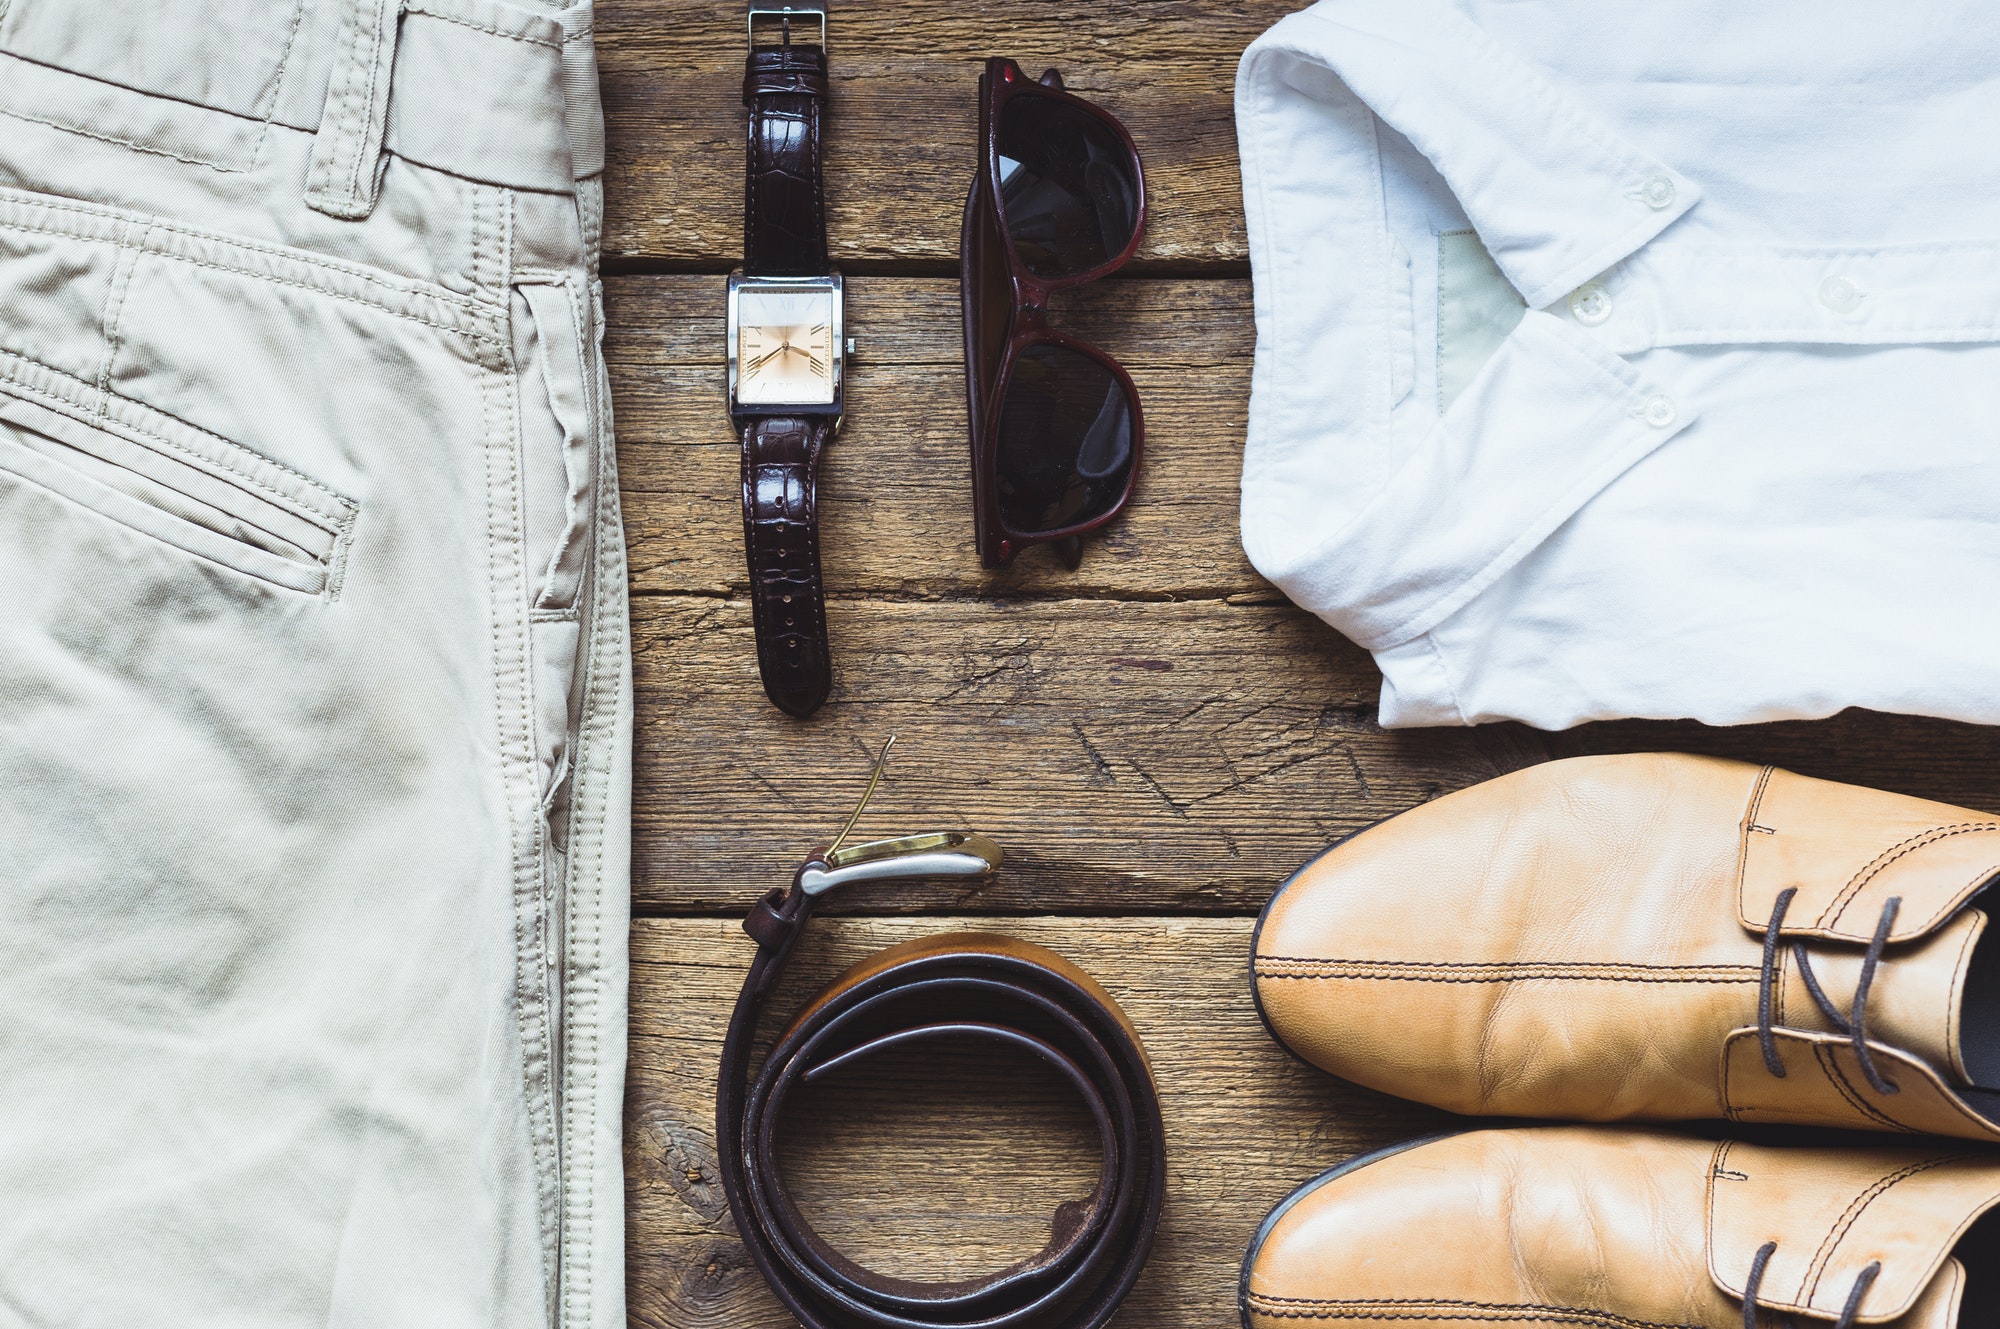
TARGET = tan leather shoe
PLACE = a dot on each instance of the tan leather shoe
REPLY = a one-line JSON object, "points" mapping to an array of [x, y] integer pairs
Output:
{"points": [[1610, 1228], [1656, 937]]}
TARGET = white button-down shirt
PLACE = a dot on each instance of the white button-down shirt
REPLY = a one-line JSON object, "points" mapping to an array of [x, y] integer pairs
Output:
{"points": [[1632, 359]]}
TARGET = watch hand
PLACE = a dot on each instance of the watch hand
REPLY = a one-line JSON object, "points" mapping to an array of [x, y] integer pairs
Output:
{"points": [[763, 360]]}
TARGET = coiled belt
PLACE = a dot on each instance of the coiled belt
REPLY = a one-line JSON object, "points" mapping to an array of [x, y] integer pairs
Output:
{"points": [[965, 986]]}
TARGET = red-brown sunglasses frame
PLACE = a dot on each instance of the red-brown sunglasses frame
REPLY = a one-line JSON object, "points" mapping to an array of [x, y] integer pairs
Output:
{"points": [[1027, 323]]}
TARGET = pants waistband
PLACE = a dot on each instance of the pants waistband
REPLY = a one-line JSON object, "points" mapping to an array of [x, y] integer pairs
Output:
{"points": [[494, 92]]}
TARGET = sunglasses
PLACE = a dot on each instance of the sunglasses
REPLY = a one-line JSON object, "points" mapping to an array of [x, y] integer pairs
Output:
{"points": [[1060, 200]]}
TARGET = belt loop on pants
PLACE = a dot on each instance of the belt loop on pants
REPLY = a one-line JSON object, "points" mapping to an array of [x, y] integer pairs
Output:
{"points": [[345, 174], [582, 105]]}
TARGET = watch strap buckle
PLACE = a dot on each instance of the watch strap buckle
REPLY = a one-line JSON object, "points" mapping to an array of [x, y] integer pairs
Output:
{"points": [[785, 14]]}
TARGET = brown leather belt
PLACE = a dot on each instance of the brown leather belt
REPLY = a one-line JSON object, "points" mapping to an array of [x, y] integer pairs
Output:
{"points": [[961, 986]]}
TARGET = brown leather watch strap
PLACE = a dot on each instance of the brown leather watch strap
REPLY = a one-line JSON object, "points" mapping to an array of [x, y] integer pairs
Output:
{"points": [[969, 987], [784, 235], [781, 535], [784, 214]]}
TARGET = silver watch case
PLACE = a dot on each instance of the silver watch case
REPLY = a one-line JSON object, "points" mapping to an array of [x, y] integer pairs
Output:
{"points": [[740, 282]]}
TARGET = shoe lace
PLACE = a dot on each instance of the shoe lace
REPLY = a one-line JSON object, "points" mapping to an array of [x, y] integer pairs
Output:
{"points": [[1854, 1023], [1862, 1282]]}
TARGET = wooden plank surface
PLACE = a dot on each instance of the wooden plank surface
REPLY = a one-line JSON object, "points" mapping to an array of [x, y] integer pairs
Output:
{"points": [[896, 490], [1157, 730], [887, 1168], [905, 114], [1128, 755], [1157, 738]]}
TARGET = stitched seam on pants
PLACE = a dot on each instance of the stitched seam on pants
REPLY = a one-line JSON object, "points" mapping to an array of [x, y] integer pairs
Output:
{"points": [[112, 319], [476, 200], [481, 27], [547, 975], [123, 142], [320, 178], [109, 313], [494, 380], [269, 98], [444, 296], [349, 63], [601, 688], [531, 904], [272, 279], [339, 522], [343, 506], [1442, 1309], [359, 148], [403, 314], [579, 328]]}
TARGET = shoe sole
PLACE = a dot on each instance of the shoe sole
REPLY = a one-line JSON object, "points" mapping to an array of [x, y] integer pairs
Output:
{"points": [[1284, 1206]]}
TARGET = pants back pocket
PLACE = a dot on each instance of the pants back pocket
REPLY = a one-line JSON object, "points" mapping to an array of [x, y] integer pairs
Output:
{"points": [[169, 480]]}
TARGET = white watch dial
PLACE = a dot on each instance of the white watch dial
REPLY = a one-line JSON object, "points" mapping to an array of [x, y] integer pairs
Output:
{"points": [[784, 348]]}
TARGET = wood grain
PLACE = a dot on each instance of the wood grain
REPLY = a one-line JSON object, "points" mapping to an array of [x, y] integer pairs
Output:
{"points": [[896, 485], [1157, 739], [1246, 1123], [1129, 756], [904, 118]]}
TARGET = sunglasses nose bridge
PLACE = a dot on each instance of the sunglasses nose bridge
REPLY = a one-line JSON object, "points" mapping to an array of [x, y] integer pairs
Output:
{"points": [[1031, 306]]}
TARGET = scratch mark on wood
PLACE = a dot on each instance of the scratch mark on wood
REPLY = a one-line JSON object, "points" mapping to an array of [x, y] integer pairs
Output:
{"points": [[1178, 809], [1354, 765], [1097, 761]]}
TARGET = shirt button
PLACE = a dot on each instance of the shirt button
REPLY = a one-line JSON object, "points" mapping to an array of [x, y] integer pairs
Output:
{"points": [[1840, 294], [1658, 192], [1591, 304], [1659, 411]]}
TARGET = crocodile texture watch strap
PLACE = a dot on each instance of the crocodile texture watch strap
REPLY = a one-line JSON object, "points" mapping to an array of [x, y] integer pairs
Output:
{"points": [[781, 532], [784, 217], [784, 235]]}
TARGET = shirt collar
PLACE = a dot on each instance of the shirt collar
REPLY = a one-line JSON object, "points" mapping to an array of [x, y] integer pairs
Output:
{"points": [[1556, 195]]}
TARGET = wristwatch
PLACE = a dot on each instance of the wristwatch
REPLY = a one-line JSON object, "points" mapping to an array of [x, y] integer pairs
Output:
{"points": [[787, 351]]}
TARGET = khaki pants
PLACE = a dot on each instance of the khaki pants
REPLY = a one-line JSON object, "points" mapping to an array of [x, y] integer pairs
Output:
{"points": [[315, 699]]}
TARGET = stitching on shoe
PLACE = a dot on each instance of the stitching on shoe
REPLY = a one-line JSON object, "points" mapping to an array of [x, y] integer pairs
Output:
{"points": [[1952, 1012], [1901, 849], [1841, 1228], [1824, 1055], [1750, 823], [1412, 971], [1319, 1308]]}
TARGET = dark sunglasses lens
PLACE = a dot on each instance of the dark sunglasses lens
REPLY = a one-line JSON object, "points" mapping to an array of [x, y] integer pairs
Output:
{"points": [[1069, 187], [1064, 455]]}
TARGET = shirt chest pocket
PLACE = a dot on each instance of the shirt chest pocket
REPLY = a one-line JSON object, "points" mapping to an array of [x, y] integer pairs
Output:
{"points": [[165, 480]]}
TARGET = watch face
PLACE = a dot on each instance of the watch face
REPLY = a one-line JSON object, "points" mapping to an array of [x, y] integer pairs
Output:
{"points": [[784, 348]]}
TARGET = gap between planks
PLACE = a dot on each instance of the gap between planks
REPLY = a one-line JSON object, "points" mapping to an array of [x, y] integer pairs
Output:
{"points": [[993, 1151]]}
